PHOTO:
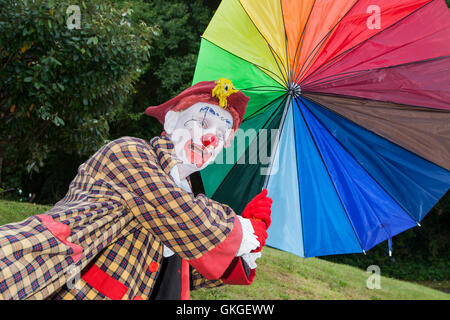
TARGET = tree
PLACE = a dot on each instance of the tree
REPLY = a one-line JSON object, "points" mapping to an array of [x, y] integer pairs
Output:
{"points": [[172, 62], [59, 86]]}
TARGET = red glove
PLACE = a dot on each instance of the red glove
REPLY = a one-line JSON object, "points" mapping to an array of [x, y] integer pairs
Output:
{"points": [[258, 210], [259, 228]]}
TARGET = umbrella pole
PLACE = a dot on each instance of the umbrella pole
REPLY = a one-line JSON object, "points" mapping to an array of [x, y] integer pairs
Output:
{"points": [[277, 140]]}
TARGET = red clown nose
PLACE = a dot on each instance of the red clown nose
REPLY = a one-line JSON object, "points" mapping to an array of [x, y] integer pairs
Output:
{"points": [[210, 140]]}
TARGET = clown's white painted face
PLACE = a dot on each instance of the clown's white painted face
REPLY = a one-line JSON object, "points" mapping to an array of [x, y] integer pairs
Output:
{"points": [[199, 133]]}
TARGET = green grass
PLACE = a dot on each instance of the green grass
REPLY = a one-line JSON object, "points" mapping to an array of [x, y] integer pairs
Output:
{"points": [[11, 211], [283, 276]]}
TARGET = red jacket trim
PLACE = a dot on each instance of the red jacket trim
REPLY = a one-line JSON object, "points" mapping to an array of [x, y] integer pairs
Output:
{"points": [[61, 231], [213, 263], [185, 280], [235, 274], [104, 283]]}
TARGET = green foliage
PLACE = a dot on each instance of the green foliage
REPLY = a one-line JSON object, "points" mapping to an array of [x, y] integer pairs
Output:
{"points": [[60, 87]]}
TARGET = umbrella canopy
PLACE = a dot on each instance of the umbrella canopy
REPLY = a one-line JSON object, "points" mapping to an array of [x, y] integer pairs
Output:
{"points": [[349, 116]]}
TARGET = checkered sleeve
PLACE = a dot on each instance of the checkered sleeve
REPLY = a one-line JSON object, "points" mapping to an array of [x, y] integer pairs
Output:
{"points": [[34, 260], [202, 231], [198, 281]]}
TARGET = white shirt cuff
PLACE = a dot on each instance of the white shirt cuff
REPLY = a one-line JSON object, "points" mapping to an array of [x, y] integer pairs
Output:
{"points": [[250, 259], [249, 239]]}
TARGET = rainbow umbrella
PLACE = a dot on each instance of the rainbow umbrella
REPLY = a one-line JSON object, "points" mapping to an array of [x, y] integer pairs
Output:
{"points": [[357, 93]]}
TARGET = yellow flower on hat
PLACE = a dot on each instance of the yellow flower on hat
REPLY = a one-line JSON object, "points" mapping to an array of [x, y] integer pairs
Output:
{"points": [[223, 90]]}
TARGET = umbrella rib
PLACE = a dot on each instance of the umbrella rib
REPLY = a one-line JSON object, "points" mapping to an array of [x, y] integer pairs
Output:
{"points": [[269, 120], [264, 70], [330, 77], [373, 132], [298, 182], [335, 59], [356, 97], [306, 90], [263, 107], [351, 74], [381, 137], [300, 42], [260, 87], [344, 75], [388, 233], [277, 140], [278, 64], [272, 51], [354, 158], [328, 173], [299, 75], [321, 42], [285, 43], [263, 89]]}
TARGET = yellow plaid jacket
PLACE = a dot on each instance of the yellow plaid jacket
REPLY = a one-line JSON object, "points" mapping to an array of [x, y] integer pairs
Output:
{"points": [[120, 209]]}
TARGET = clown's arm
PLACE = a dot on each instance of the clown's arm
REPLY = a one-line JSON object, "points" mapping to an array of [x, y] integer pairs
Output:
{"points": [[242, 269], [204, 232]]}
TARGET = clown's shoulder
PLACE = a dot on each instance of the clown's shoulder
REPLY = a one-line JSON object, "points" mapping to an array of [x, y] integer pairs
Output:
{"points": [[126, 142], [123, 147]]}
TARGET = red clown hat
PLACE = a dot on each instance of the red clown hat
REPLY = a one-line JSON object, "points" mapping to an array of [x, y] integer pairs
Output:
{"points": [[220, 92]]}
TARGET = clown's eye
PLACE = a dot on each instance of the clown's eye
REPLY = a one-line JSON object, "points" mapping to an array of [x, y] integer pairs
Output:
{"points": [[203, 124], [199, 122]]}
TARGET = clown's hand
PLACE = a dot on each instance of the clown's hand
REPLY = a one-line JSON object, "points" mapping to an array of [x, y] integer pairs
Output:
{"points": [[258, 211], [259, 208], [250, 243]]}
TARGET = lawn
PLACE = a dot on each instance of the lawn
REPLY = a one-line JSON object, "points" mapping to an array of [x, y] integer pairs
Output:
{"points": [[11, 211], [282, 275]]}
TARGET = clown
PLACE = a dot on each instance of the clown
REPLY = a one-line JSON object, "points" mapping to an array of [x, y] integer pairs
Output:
{"points": [[130, 226]]}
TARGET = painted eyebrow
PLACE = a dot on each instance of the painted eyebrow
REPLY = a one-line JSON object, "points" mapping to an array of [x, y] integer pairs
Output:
{"points": [[211, 110]]}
